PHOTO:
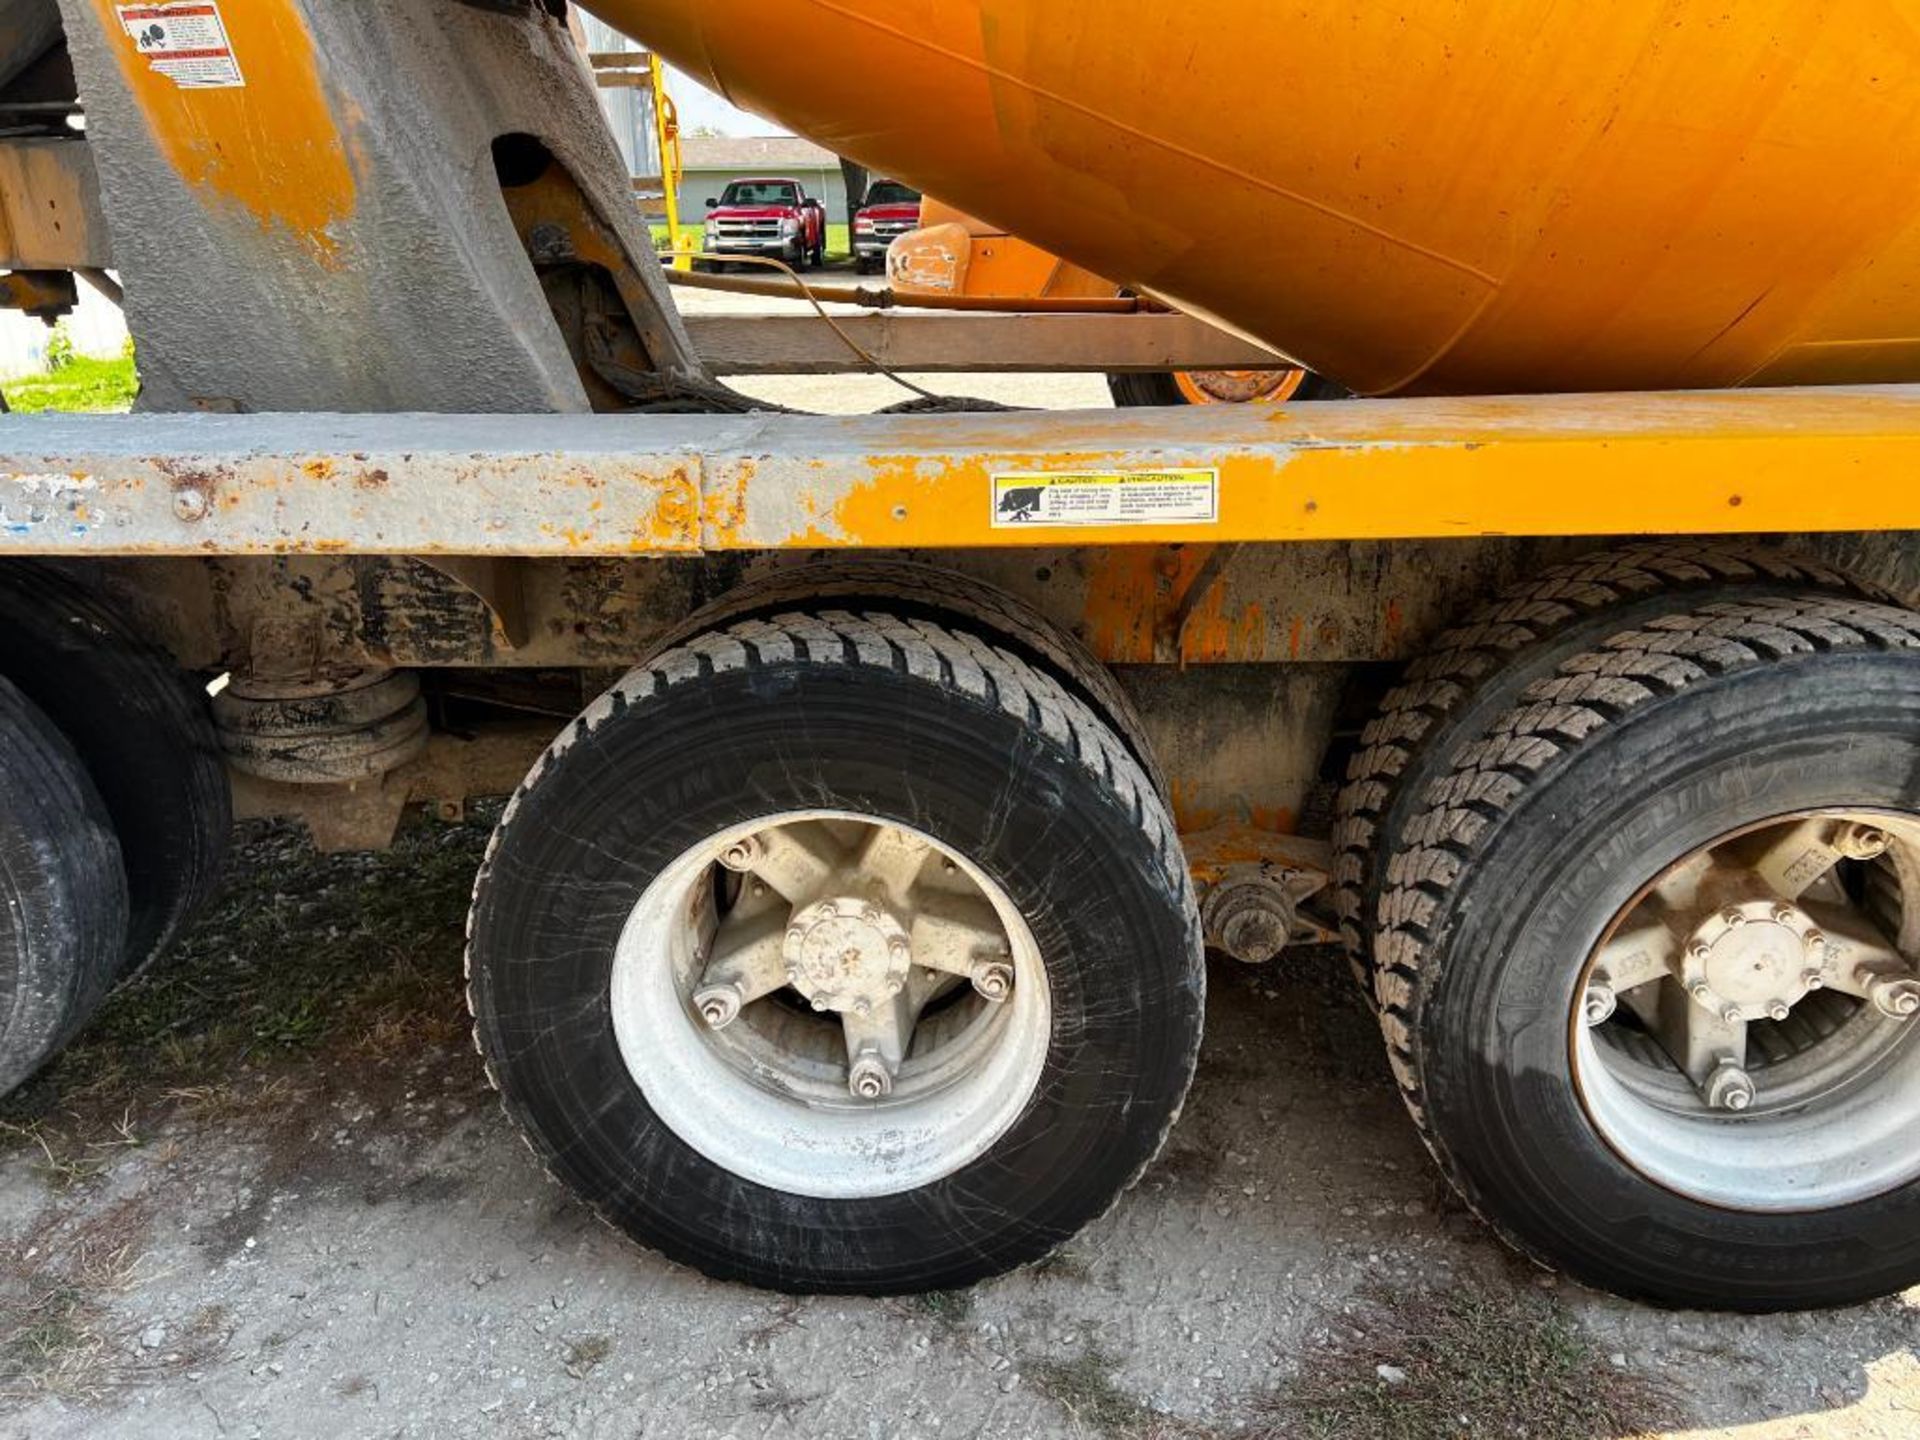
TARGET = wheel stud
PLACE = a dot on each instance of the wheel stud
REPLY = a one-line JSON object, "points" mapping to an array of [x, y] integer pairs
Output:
{"points": [[869, 1078], [994, 981], [1897, 998], [719, 1005], [1861, 842], [742, 855], [1729, 1087], [1598, 1006]]}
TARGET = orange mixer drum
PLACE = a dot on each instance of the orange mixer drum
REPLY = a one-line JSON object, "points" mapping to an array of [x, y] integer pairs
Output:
{"points": [[1425, 196]]}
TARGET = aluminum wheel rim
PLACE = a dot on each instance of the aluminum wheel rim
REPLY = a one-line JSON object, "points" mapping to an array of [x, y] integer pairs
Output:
{"points": [[1744, 1033], [763, 1095]]}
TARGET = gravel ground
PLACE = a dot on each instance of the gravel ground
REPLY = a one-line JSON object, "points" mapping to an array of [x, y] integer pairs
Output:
{"points": [[270, 1195]]}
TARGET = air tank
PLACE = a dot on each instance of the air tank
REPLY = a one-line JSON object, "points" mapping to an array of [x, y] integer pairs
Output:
{"points": [[1429, 196]]}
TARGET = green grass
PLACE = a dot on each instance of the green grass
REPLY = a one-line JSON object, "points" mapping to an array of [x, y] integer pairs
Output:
{"points": [[839, 241], [1483, 1361], [1086, 1389], [300, 951], [82, 383]]}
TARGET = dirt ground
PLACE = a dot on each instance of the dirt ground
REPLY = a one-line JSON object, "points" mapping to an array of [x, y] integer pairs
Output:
{"points": [[269, 1194]]}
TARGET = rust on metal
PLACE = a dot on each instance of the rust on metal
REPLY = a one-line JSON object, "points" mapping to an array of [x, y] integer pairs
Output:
{"points": [[1731, 462]]}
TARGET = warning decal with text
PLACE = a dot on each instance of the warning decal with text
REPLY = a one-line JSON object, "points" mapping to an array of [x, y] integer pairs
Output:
{"points": [[1106, 497], [185, 40]]}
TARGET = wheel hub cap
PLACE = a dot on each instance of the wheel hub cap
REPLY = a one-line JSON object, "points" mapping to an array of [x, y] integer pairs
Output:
{"points": [[1753, 961], [847, 954]]}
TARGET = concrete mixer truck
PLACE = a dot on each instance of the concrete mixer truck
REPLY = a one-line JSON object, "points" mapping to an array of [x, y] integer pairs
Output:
{"points": [[856, 939]]}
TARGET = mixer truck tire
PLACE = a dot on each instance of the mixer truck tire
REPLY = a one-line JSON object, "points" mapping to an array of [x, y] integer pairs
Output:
{"points": [[1478, 669], [63, 926], [1647, 971], [840, 953], [916, 591], [141, 727], [1223, 387]]}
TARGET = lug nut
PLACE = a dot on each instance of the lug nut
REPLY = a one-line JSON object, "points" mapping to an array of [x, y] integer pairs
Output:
{"points": [[869, 1079], [1598, 1005], [994, 982], [742, 855], [1897, 998], [1701, 991], [1733, 916], [1814, 980], [900, 948], [719, 1005], [1700, 950], [872, 914], [1729, 1087], [1861, 842], [1779, 1010], [1784, 915], [1730, 1015]]}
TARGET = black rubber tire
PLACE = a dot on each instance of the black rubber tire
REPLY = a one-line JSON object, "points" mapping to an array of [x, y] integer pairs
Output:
{"points": [[1653, 743], [918, 591], [141, 726], [878, 715], [63, 896], [1475, 670], [1144, 390]]}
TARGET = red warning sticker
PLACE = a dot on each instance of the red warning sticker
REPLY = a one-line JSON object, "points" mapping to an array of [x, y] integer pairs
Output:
{"points": [[185, 40]]}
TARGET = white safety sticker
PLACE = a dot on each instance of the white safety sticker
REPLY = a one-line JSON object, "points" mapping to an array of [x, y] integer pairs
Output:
{"points": [[1032, 499], [185, 40]]}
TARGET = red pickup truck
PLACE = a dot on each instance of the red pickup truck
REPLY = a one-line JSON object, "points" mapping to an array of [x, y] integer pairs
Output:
{"points": [[774, 217], [890, 210]]}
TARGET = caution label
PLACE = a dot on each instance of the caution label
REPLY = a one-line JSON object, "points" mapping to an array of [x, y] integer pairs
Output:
{"points": [[1024, 500], [185, 40]]}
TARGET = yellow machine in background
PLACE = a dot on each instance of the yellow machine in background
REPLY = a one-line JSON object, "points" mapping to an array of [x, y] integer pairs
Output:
{"points": [[658, 196], [1486, 198]]}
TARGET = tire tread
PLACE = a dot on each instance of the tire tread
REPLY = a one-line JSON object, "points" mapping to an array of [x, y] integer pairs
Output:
{"points": [[1556, 716]]}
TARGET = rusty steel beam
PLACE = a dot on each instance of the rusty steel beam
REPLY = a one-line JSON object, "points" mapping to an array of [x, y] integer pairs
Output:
{"points": [[1730, 462], [938, 343]]}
